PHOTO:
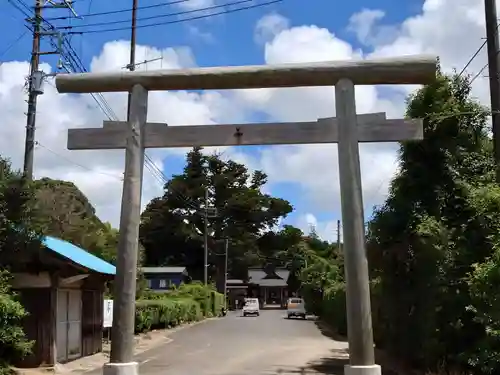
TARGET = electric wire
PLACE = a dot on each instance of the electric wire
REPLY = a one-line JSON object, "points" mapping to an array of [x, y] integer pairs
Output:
{"points": [[166, 15], [12, 44], [473, 57], [120, 10], [228, 11]]}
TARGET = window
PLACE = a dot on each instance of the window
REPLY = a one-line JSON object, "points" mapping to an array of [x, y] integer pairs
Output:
{"points": [[149, 283], [163, 283]]}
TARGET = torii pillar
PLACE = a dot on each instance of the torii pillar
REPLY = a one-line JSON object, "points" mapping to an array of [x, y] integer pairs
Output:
{"points": [[347, 129]]}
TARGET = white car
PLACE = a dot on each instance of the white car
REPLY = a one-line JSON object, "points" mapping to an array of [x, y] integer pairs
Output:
{"points": [[251, 307], [296, 307]]}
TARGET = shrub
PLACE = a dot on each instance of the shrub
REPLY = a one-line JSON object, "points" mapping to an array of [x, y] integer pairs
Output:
{"points": [[187, 303], [13, 343], [165, 313]]}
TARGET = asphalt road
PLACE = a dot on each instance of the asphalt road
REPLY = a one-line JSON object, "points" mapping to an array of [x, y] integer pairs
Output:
{"points": [[236, 345]]}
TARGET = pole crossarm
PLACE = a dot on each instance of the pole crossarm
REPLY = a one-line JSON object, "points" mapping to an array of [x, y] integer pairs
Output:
{"points": [[371, 128], [419, 69]]}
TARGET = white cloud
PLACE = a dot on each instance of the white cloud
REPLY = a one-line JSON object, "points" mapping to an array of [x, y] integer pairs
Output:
{"points": [[97, 173], [451, 29], [326, 230], [439, 29], [269, 26], [196, 4]]}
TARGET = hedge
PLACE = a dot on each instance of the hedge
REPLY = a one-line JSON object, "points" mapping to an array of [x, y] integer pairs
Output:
{"points": [[188, 303], [165, 313]]}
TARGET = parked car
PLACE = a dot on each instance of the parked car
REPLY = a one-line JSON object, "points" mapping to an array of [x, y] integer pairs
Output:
{"points": [[296, 307], [251, 307]]}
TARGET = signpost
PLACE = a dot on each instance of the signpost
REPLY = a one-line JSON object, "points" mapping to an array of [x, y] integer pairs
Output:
{"points": [[107, 321]]}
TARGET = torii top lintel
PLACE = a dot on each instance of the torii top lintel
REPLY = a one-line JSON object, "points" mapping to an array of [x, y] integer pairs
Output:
{"points": [[420, 69]]}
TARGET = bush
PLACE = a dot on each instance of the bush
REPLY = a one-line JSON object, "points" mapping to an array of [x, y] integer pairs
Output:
{"points": [[187, 303], [13, 344], [165, 313]]}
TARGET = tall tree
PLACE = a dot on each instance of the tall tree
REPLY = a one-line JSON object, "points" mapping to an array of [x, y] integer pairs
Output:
{"points": [[424, 240], [20, 232], [172, 226], [68, 214]]}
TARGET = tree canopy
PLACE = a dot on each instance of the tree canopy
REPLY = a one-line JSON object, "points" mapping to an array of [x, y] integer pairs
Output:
{"points": [[67, 214], [172, 225]]}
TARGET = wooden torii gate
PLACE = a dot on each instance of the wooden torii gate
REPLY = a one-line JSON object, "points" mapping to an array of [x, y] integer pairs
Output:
{"points": [[347, 129]]}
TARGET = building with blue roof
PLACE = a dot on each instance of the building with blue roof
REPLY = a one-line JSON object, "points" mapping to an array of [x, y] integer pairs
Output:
{"points": [[62, 287]]}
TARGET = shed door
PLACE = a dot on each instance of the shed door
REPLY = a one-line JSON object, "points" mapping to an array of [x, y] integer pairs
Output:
{"points": [[69, 324]]}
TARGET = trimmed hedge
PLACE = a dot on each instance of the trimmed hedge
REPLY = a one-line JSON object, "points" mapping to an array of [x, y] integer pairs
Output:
{"points": [[188, 303], [165, 313]]}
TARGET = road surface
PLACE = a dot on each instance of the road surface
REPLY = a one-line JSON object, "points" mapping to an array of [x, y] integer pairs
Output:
{"points": [[234, 345]]}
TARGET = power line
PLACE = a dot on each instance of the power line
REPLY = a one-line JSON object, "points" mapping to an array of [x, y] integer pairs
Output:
{"points": [[75, 163], [180, 13], [12, 44], [177, 21], [472, 59], [478, 74], [121, 10]]}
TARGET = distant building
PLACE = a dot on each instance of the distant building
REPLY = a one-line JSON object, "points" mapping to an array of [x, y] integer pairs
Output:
{"points": [[269, 286], [161, 278], [272, 285]]}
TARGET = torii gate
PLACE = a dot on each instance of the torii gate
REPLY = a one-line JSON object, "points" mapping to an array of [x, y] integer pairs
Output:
{"points": [[347, 129]]}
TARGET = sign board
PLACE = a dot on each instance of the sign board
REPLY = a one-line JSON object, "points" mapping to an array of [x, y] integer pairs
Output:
{"points": [[107, 320]]}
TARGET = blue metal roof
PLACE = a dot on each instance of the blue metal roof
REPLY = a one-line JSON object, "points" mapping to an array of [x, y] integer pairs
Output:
{"points": [[78, 255]]}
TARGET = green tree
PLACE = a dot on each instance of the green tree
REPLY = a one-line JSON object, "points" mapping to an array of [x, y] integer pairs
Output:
{"points": [[244, 213], [20, 230], [68, 214], [424, 240]]}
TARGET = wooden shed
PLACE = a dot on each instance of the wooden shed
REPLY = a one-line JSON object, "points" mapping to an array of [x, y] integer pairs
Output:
{"points": [[62, 288]]}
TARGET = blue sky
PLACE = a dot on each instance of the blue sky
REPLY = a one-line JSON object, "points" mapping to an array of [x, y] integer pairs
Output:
{"points": [[231, 42]]}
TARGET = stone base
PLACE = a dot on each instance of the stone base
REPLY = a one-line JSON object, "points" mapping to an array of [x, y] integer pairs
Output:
{"points": [[131, 368], [362, 370]]}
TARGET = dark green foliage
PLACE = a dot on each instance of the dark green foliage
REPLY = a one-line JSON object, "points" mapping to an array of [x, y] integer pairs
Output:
{"points": [[19, 231], [67, 214], [244, 212], [13, 343], [433, 244], [188, 303]]}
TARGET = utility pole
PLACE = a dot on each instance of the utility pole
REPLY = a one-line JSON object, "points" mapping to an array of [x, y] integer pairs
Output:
{"points": [[208, 212], [205, 239], [133, 38], [338, 235], [226, 246], [33, 91], [494, 76]]}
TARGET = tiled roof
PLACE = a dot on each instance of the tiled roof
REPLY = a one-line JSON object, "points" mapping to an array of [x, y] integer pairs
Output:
{"points": [[260, 277]]}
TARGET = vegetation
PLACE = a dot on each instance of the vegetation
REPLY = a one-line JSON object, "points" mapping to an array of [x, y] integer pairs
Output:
{"points": [[188, 303], [18, 229], [244, 212], [433, 246], [67, 214]]}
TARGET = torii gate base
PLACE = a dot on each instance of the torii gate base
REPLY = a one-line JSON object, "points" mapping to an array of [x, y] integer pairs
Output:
{"points": [[347, 129]]}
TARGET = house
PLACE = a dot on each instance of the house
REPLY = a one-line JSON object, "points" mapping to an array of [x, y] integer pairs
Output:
{"points": [[161, 278], [271, 285], [62, 288]]}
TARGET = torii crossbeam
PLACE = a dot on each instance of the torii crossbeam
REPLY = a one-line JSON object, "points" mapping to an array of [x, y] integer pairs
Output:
{"points": [[347, 129], [371, 128]]}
